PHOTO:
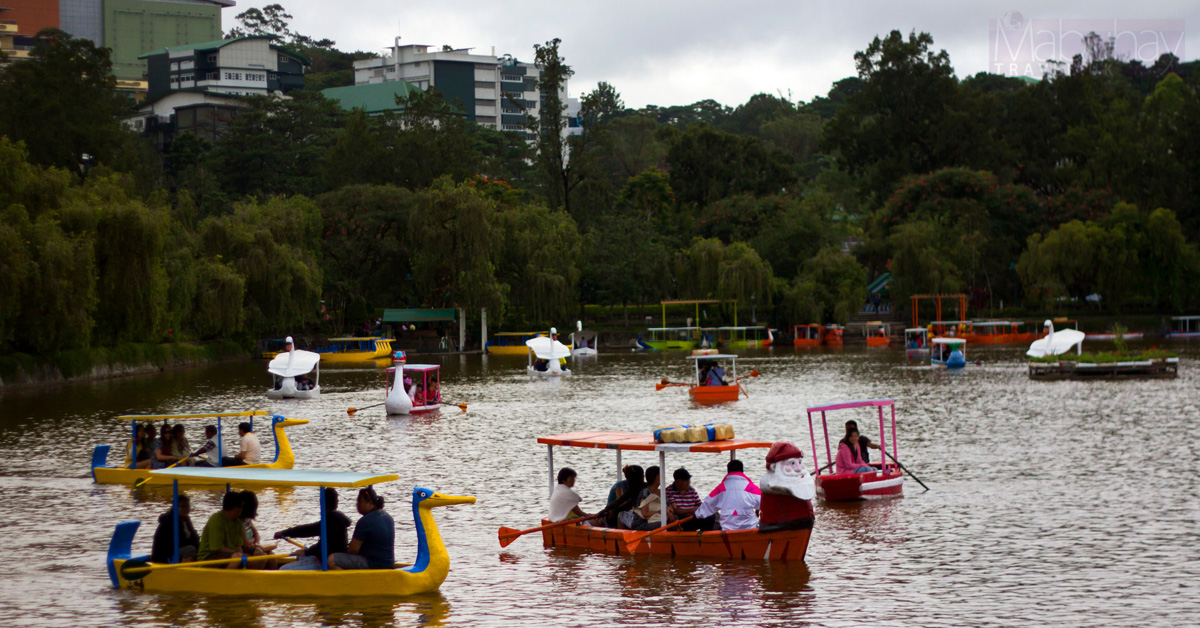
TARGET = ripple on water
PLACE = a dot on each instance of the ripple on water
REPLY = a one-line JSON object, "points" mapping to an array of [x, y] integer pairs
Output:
{"points": [[1064, 503]]}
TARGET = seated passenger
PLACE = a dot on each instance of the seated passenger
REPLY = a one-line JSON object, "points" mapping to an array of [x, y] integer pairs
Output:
{"points": [[250, 449], [180, 448], [564, 501], [304, 383], [649, 509], [207, 455], [337, 527], [162, 457], [251, 541], [164, 535], [633, 519], [222, 536], [682, 501], [624, 494], [137, 452], [849, 459], [736, 498], [716, 376], [435, 392], [541, 365], [373, 543]]}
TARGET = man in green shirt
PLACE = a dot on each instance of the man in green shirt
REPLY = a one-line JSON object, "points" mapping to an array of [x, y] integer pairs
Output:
{"points": [[222, 536]]}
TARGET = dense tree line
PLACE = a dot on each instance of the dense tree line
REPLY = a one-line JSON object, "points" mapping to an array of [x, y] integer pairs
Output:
{"points": [[1033, 192]]}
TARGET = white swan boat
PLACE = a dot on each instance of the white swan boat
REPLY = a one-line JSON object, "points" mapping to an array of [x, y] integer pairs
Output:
{"points": [[291, 364]]}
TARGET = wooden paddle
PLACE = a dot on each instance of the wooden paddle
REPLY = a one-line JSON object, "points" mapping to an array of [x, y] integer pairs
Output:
{"points": [[636, 539], [351, 411], [905, 470], [141, 570], [294, 542], [667, 384], [508, 535], [460, 406], [141, 482]]}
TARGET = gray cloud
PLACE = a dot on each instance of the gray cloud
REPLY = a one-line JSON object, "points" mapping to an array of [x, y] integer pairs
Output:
{"points": [[673, 52]]}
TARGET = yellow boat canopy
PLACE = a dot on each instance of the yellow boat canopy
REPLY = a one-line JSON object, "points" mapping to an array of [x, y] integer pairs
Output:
{"points": [[277, 477], [206, 415]]}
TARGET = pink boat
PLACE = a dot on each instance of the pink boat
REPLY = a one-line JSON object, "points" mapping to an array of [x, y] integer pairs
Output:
{"points": [[885, 481]]}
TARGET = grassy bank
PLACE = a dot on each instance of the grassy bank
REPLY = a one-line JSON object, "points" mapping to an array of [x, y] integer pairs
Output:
{"points": [[22, 368]]}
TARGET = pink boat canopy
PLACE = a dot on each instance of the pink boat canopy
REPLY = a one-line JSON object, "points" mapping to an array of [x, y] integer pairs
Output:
{"points": [[863, 403]]}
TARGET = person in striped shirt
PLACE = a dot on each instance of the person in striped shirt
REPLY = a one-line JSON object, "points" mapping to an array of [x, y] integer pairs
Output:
{"points": [[682, 501]]}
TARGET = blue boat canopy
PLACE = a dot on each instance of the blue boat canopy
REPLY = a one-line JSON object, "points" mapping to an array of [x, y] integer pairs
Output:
{"points": [[278, 477]]}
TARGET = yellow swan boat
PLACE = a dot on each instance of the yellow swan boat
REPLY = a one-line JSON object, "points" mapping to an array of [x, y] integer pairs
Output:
{"points": [[356, 349], [125, 474], [425, 575]]}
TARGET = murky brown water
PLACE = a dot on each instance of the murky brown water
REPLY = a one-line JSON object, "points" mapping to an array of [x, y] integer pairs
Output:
{"points": [[1053, 503]]}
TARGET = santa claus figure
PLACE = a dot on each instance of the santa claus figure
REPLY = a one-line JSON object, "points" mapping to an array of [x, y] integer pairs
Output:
{"points": [[787, 490]]}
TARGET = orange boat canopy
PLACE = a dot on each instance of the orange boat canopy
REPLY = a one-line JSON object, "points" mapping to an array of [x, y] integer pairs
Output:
{"points": [[639, 441]]}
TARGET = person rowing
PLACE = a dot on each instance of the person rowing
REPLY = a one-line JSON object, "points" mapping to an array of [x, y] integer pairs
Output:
{"points": [[337, 528], [736, 498]]}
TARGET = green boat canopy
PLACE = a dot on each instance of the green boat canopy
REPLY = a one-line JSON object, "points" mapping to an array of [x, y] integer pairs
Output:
{"points": [[419, 316], [277, 477]]}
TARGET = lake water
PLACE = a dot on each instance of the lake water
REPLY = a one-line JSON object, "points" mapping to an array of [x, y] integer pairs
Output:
{"points": [[1053, 503]]}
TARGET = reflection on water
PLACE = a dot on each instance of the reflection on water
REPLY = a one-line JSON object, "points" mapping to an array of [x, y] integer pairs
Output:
{"points": [[1064, 503]]}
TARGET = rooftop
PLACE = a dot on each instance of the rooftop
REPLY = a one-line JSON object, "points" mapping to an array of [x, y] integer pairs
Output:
{"points": [[373, 98]]}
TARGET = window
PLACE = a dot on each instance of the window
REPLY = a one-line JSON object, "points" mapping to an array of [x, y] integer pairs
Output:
{"points": [[284, 59], [213, 76], [511, 78], [185, 77], [212, 57]]}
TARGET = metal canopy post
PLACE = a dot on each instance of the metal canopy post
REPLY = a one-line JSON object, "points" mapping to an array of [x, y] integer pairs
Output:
{"points": [[220, 445], [550, 463], [620, 468], [324, 536], [175, 507], [825, 429], [882, 442], [812, 435], [133, 447], [662, 487], [895, 452]]}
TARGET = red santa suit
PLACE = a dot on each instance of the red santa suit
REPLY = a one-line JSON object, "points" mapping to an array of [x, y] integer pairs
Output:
{"points": [[787, 490]]}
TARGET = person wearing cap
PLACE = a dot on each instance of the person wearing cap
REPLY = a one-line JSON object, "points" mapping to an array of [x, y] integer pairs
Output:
{"points": [[682, 501], [736, 498]]}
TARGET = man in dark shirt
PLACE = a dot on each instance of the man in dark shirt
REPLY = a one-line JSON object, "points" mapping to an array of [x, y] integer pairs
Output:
{"points": [[864, 443], [337, 526], [163, 548], [373, 545]]}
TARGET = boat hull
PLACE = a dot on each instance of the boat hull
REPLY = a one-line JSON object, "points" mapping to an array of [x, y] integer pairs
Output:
{"points": [[745, 344], [878, 341], [806, 343], [916, 354], [1181, 334], [1137, 335], [313, 393], [672, 345], [714, 394], [583, 351], [786, 545], [508, 350], [262, 583], [547, 374], [855, 486], [383, 349]]}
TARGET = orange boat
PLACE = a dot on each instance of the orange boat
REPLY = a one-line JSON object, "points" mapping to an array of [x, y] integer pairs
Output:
{"points": [[806, 335], [877, 335], [833, 335], [735, 544], [710, 382], [998, 333]]}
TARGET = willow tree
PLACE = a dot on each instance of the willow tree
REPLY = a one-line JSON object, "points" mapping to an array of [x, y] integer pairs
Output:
{"points": [[275, 246], [460, 241], [744, 277], [697, 269], [538, 261]]}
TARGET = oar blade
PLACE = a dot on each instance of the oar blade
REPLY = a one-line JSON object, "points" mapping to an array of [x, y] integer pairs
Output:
{"points": [[508, 535], [659, 386], [351, 411]]}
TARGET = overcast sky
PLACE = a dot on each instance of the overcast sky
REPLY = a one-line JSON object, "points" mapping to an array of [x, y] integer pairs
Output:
{"points": [[669, 52]]}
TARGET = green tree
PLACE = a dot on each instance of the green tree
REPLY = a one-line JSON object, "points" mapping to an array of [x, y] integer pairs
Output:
{"points": [[918, 262], [600, 106], [708, 165], [61, 103], [553, 150], [537, 262], [830, 287], [460, 241]]}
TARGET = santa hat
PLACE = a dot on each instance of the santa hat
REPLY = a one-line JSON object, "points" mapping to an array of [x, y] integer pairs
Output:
{"points": [[782, 450]]}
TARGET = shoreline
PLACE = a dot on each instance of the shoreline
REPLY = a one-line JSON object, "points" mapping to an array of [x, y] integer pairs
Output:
{"points": [[23, 371]]}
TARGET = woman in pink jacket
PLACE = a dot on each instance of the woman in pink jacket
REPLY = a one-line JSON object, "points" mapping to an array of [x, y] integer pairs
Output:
{"points": [[849, 460]]}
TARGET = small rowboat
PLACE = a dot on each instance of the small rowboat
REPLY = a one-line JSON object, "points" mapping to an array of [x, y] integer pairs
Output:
{"points": [[127, 473], [877, 335], [948, 352], [426, 574], [806, 335], [512, 342], [1184, 327], [707, 395], [426, 393], [998, 333], [733, 544], [832, 336], [744, 337], [584, 342], [916, 343], [345, 350], [1136, 335], [887, 480], [551, 355]]}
